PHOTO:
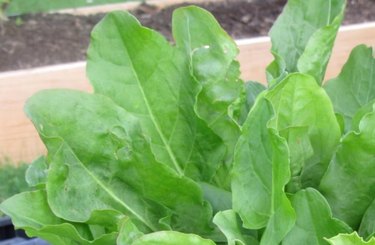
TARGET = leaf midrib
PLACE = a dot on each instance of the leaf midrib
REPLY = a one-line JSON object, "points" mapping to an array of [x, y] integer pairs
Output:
{"points": [[150, 112], [108, 191]]}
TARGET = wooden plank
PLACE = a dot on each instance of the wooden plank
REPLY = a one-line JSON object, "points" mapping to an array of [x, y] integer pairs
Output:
{"points": [[19, 140], [125, 6], [255, 56]]}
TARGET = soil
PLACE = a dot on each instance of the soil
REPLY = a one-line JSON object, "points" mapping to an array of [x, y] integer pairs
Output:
{"points": [[44, 39]]}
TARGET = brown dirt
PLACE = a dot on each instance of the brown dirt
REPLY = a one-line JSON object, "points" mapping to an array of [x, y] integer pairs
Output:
{"points": [[45, 39]]}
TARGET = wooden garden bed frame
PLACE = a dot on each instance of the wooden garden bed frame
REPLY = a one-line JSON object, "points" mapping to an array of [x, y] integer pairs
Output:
{"points": [[19, 140], [127, 6]]}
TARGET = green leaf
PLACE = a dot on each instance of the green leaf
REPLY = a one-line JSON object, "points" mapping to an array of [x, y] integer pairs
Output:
{"points": [[231, 225], [247, 100], [318, 50], [171, 238], [218, 198], [314, 219], [349, 182], [305, 117], [68, 199], [260, 172], [367, 228], [300, 151], [252, 168], [282, 216], [30, 211], [212, 53], [353, 88], [36, 174], [151, 79], [350, 239], [85, 176], [303, 36], [276, 71], [360, 114], [128, 233]]}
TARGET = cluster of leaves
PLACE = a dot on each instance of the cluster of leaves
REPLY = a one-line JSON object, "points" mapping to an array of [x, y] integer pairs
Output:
{"points": [[174, 148]]}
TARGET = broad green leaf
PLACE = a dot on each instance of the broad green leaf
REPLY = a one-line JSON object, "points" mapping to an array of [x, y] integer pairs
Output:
{"points": [[349, 182], [231, 225], [139, 70], [350, 239], [252, 168], [74, 191], [314, 219], [30, 211], [354, 87], [171, 238], [305, 117], [303, 36], [36, 173], [260, 172], [124, 175], [367, 227], [282, 214], [212, 53]]}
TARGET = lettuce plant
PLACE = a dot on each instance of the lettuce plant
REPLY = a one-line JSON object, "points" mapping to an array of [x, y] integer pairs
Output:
{"points": [[174, 148]]}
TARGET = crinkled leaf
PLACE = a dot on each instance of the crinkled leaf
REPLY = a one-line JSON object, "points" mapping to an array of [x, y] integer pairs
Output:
{"points": [[314, 219], [349, 182], [138, 69], [85, 176], [36, 173], [30, 211], [367, 228], [231, 225], [350, 239], [260, 172], [212, 53], [171, 238], [305, 117], [355, 86], [303, 36]]}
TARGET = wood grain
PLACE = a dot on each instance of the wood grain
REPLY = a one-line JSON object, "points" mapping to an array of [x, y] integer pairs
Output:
{"points": [[19, 140]]}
